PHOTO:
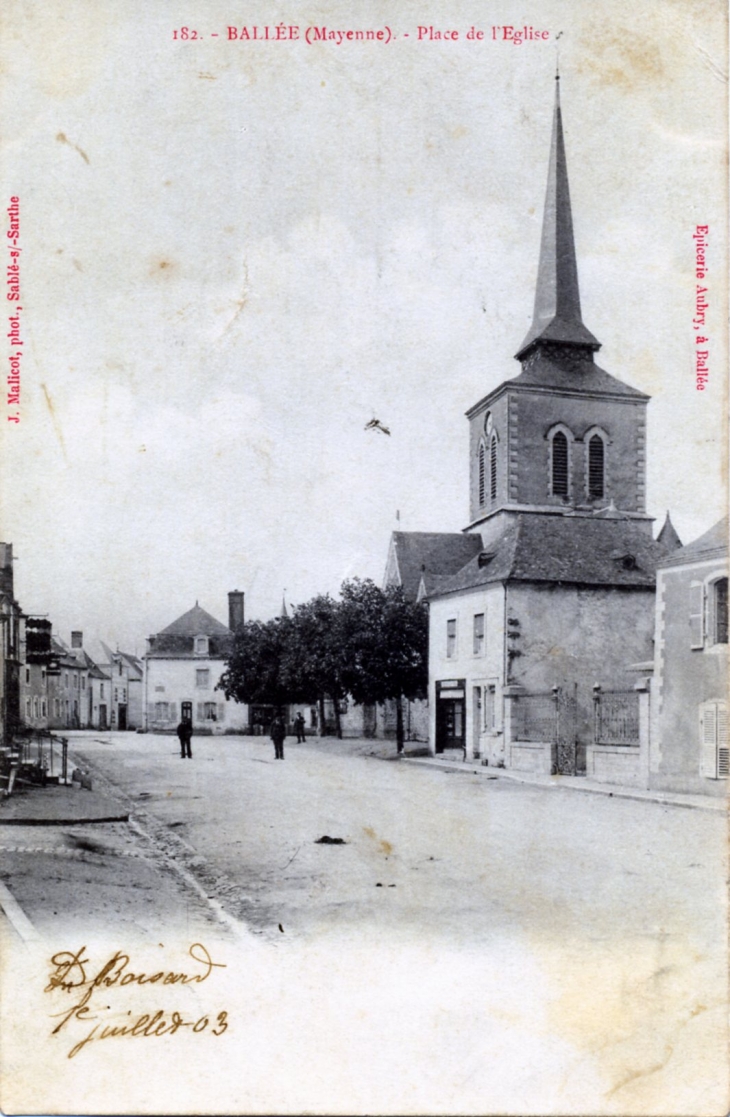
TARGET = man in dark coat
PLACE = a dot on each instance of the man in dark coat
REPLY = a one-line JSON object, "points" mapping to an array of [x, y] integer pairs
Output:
{"points": [[299, 726], [185, 733], [277, 734]]}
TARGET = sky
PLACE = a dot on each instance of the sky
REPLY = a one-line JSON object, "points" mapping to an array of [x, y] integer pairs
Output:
{"points": [[236, 254]]}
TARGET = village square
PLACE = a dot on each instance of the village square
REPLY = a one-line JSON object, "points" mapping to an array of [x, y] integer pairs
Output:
{"points": [[520, 732]]}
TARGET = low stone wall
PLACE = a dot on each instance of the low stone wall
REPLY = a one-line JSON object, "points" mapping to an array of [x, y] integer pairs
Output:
{"points": [[531, 756], [616, 764]]}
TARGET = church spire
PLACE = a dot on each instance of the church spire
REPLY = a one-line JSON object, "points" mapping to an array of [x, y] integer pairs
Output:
{"points": [[557, 316]]}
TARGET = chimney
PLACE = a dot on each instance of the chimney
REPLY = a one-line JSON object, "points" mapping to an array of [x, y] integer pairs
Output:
{"points": [[6, 569], [77, 639], [235, 610]]}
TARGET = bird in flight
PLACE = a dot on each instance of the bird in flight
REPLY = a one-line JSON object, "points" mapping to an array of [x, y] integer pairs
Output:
{"points": [[376, 425]]}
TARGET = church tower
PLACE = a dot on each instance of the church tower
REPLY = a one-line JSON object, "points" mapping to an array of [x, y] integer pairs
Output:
{"points": [[563, 437]]}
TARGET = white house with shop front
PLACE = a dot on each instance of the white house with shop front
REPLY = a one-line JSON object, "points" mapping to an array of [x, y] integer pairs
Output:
{"points": [[183, 665]]}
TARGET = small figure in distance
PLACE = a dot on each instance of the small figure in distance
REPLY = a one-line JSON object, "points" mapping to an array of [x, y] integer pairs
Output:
{"points": [[277, 734], [299, 726], [185, 733]]}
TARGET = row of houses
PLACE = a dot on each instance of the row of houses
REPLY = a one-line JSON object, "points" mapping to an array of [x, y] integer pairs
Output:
{"points": [[48, 684]]}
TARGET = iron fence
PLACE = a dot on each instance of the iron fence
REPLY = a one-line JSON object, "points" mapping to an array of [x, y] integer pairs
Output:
{"points": [[616, 717], [535, 717]]}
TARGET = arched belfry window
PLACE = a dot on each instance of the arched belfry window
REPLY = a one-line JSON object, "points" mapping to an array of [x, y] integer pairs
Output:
{"points": [[595, 465], [559, 465], [482, 474], [493, 467]]}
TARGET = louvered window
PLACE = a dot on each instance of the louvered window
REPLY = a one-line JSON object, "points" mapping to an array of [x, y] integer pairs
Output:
{"points": [[596, 466], [559, 478], [493, 467], [714, 760], [482, 475]]}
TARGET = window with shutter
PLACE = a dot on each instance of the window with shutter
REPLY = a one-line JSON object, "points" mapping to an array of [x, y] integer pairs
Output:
{"points": [[696, 611], [559, 479], [717, 623], [482, 475], [708, 741], [714, 760], [722, 749], [493, 467], [595, 466]]}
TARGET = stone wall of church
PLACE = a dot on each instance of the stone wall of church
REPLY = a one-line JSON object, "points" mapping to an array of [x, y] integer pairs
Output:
{"points": [[477, 436], [534, 415]]}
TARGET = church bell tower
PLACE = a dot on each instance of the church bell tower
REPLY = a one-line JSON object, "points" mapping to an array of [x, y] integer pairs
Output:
{"points": [[563, 437]]}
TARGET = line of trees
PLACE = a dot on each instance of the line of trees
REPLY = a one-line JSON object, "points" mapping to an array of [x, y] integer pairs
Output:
{"points": [[371, 645]]}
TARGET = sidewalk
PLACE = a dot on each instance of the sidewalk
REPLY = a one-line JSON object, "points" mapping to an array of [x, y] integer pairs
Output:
{"points": [[54, 806], [575, 783]]}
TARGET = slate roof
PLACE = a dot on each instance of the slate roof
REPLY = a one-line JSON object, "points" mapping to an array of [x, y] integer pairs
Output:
{"points": [[713, 544], [668, 535], [196, 622], [576, 373], [440, 552], [561, 549], [177, 641]]}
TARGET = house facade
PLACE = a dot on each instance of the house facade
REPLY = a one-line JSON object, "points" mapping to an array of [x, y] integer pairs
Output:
{"points": [[689, 747], [183, 665]]}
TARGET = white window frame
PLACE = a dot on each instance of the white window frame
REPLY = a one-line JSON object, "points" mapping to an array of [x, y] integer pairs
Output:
{"points": [[702, 612], [452, 638], [479, 642], [201, 645], [202, 678]]}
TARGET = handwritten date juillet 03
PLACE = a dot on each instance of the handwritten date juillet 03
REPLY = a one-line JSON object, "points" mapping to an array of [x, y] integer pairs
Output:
{"points": [[293, 32], [72, 972]]}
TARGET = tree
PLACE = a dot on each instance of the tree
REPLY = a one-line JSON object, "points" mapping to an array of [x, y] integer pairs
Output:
{"points": [[313, 666], [255, 669], [384, 646]]}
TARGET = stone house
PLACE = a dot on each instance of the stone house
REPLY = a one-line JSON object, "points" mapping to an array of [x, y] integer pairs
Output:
{"points": [[11, 624], [689, 748], [183, 665]]}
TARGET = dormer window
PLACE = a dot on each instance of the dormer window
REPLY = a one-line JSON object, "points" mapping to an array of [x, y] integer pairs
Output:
{"points": [[201, 645]]}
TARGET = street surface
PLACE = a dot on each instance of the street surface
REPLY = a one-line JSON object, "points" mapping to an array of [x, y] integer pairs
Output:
{"points": [[595, 923]]}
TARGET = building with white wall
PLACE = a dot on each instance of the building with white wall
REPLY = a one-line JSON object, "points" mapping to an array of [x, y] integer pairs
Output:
{"points": [[183, 665]]}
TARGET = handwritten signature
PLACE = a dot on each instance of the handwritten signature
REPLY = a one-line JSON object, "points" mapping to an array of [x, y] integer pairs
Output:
{"points": [[72, 972]]}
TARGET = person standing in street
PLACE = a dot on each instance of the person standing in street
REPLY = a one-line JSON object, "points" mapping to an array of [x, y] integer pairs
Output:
{"points": [[277, 734], [185, 733], [299, 726]]}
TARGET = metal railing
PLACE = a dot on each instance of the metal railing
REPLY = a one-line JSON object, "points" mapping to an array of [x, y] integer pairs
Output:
{"points": [[616, 717], [33, 756], [535, 717]]}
